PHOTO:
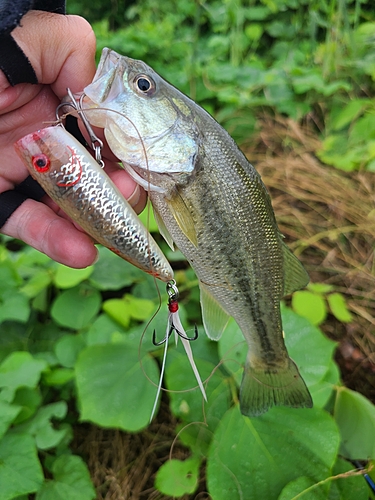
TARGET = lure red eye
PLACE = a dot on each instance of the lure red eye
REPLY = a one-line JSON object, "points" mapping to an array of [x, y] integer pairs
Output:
{"points": [[41, 163]]}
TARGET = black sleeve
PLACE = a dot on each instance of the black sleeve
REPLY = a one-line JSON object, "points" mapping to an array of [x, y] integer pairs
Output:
{"points": [[17, 69]]}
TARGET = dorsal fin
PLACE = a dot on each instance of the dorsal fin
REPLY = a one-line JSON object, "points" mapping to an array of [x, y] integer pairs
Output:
{"points": [[295, 275]]}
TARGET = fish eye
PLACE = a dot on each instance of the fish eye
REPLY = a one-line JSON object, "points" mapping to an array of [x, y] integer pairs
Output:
{"points": [[41, 162], [144, 84]]}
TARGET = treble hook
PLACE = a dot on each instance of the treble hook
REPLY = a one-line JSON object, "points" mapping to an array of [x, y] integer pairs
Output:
{"points": [[180, 334], [173, 295]]}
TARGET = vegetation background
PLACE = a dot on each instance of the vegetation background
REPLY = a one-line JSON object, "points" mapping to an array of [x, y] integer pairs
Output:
{"points": [[293, 82]]}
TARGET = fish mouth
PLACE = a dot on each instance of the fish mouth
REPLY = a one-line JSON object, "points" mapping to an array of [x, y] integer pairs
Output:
{"points": [[107, 83]]}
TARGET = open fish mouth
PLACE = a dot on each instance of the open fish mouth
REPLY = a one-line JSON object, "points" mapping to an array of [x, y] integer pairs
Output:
{"points": [[108, 82]]}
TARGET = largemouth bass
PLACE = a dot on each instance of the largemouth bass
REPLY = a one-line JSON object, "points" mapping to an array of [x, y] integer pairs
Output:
{"points": [[211, 202], [80, 187]]}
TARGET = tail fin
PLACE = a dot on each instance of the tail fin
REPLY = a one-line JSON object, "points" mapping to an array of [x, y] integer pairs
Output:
{"points": [[262, 389]]}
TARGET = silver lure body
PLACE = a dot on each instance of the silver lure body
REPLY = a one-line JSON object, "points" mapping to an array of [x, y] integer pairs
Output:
{"points": [[82, 189]]}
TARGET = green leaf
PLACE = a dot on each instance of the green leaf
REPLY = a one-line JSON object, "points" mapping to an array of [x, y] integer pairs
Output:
{"points": [[58, 376], [347, 487], [321, 391], [349, 113], [66, 277], [116, 310], [310, 305], [320, 288], [15, 307], [186, 399], [28, 400], [355, 417], [19, 369], [40, 426], [339, 309], [258, 457], [20, 469], [140, 309], [101, 330], [303, 487], [67, 349], [112, 273], [113, 386], [37, 283], [123, 310], [177, 478], [9, 278], [233, 350], [148, 219], [8, 414], [71, 480], [76, 307]]}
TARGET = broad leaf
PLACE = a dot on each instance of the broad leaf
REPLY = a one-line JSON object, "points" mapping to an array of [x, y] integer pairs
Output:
{"points": [[177, 477], [112, 273], [40, 426], [256, 458], [19, 369], [67, 349], [76, 307], [66, 277], [115, 387], [71, 480], [8, 414], [20, 469], [355, 417]]}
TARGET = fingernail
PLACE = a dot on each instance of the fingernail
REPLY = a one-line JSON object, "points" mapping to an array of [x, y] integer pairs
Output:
{"points": [[135, 196]]}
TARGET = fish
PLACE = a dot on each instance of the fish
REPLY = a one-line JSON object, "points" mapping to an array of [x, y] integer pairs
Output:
{"points": [[211, 203], [80, 187]]}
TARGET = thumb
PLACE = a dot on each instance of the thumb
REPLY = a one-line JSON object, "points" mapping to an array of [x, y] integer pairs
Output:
{"points": [[60, 48]]}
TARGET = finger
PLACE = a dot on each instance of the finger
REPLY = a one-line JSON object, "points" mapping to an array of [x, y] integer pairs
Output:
{"points": [[38, 226], [61, 49]]}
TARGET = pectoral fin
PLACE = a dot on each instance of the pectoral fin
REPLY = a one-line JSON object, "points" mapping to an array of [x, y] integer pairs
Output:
{"points": [[163, 230], [295, 275], [215, 319], [183, 217]]}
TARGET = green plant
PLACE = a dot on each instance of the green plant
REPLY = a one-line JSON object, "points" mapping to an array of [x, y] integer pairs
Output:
{"points": [[76, 352]]}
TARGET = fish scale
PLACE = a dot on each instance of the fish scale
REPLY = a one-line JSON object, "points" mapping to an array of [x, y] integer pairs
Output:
{"points": [[211, 203]]}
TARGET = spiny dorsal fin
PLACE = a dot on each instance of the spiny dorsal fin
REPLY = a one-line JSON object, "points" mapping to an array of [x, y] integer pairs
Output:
{"points": [[215, 319], [183, 217], [295, 275]]}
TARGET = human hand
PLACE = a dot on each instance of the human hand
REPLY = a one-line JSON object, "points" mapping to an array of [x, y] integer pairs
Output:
{"points": [[61, 50]]}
